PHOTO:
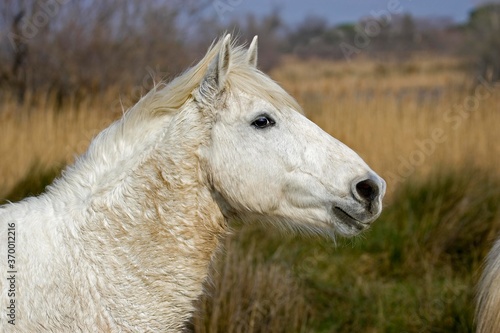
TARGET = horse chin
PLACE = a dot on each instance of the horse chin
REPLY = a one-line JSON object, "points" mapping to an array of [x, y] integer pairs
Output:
{"points": [[349, 229], [347, 223], [351, 217]]}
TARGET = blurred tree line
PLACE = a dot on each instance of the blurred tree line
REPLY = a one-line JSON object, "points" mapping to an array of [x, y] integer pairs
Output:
{"points": [[75, 48], [483, 31], [80, 47]]}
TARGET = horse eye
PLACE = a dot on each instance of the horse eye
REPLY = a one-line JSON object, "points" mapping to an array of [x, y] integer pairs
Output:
{"points": [[263, 122]]}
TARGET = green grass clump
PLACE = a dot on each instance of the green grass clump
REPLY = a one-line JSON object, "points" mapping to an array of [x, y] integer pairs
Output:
{"points": [[449, 219], [415, 271]]}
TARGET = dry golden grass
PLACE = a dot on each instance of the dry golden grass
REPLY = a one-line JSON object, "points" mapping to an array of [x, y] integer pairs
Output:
{"points": [[248, 293], [38, 132], [390, 113], [404, 119]]}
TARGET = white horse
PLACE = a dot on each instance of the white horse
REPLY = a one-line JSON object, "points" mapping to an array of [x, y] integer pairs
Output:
{"points": [[488, 300], [123, 240]]}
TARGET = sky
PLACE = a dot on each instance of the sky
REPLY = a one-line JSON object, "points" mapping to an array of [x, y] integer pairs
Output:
{"points": [[344, 11]]}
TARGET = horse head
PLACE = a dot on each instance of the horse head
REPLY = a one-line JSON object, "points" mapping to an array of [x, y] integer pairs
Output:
{"points": [[264, 160]]}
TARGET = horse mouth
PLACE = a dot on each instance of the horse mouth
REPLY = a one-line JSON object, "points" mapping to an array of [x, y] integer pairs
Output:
{"points": [[348, 219]]}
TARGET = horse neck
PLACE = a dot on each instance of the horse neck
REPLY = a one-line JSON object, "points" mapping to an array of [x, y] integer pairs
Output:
{"points": [[154, 219], [158, 211]]}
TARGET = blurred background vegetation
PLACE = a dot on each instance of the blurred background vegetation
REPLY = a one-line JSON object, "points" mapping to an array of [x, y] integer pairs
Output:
{"points": [[417, 98], [75, 48]]}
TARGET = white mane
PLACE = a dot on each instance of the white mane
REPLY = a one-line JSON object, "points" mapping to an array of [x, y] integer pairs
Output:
{"points": [[147, 118]]}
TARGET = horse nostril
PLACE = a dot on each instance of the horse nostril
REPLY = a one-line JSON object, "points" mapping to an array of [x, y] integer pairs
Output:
{"points": [[367, 189]]}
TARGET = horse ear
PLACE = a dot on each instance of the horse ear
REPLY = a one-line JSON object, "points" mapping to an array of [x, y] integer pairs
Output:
{"points": [[215, 78], [252, 52]]}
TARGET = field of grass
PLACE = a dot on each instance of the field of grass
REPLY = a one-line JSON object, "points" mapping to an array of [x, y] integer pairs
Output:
{"points": [[425, 126]]}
